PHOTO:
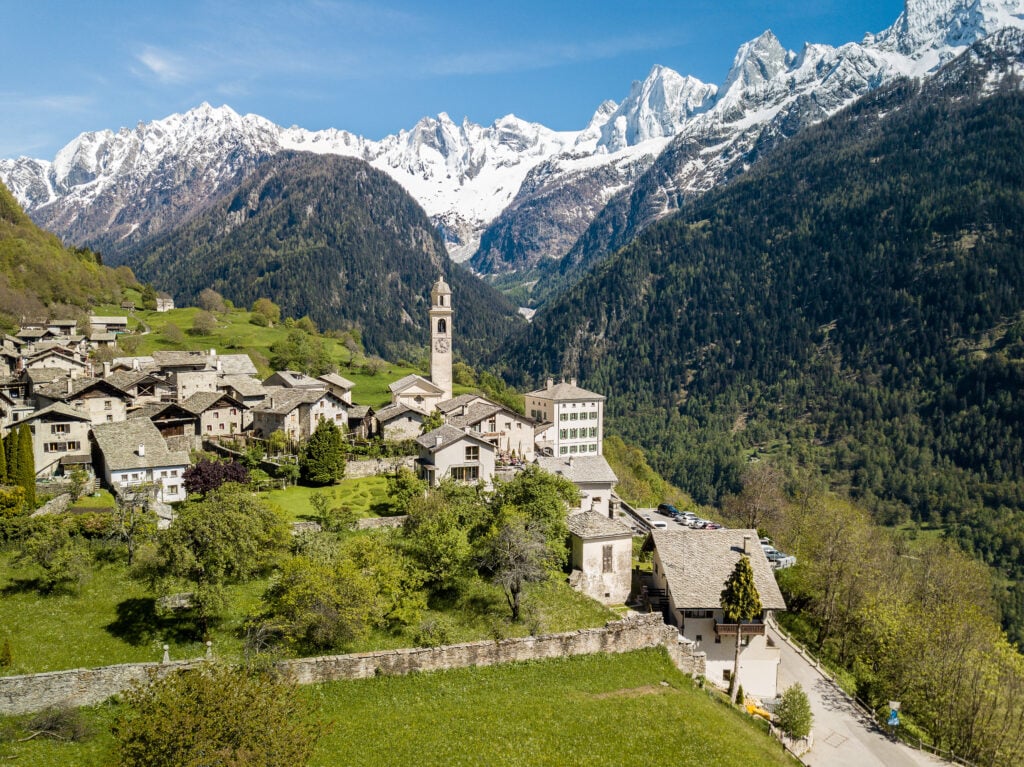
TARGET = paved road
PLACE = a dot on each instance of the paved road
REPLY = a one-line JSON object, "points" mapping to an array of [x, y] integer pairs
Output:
{"points": [[843, 735]]}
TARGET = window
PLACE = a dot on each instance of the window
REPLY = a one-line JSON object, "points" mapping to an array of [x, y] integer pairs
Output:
{"points": [[53, 447], [574, 448], [593, 431], [699, 638], [574, 416], [574, 433], [107, 404], [74, 445], [563, 417], [60, 428], [606, 559], [465, 473], [110, 419], [442, 326], [472, 453], [563, 433], [592, 448], [163, 473], [174, 472], [563, 450], [172, 489], [209, 427], [220, 426]]}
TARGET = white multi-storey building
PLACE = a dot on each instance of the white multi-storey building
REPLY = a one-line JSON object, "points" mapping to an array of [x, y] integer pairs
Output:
{"points": [[572, 418]]}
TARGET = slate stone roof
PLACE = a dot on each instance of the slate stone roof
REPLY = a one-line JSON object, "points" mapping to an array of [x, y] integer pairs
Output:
{"points": [[134, 363], [404, 383], [566, 392], [697, 563], [293, 379], [336, 380], [455, 403], [591, 524], [59, 411], [282, 401], [236, 365], [202, 401], [40, 376], [448, 435], [246, 386], [360, 411], [119, 443], [58, 389], [390, 412], [474, 414], [126, 379], [579, 468], [182, 359]]}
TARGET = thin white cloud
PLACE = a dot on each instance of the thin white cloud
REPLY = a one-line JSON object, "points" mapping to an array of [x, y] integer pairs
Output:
{"points": [[166, 66]]}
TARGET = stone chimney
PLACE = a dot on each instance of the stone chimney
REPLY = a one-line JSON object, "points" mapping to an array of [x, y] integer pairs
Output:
{"points": [[746, 544], [142, 450], [572, 381], [551, 382], [71, 383], [106, 370], [438, 440]]}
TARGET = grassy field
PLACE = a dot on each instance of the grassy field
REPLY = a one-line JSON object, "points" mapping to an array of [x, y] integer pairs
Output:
{"points": [[367, 497], [113, 619], [631, 709]]}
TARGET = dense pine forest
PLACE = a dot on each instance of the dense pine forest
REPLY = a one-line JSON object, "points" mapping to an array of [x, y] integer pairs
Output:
{"points": [[334, 239], [852, 306]]}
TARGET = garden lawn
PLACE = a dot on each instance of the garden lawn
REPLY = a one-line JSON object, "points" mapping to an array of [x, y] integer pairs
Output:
{"points": [[111, 619], [101, 499], [629, 709], [367, 497]]}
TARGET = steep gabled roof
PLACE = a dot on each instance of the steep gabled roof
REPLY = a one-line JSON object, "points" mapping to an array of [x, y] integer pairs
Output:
{"points": [[697, 563], [579, 468], [390, 412], [589, 525], [448, 435], [566, 392], [119, 443], [414, 380], [336, 380], [58, 411], [202, 401]]}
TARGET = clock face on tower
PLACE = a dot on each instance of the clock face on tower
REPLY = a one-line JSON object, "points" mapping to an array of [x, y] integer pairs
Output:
{"points": [[442, 345]]}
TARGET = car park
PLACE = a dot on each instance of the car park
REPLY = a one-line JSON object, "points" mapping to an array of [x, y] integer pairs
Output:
{"points": [[668, 510]]}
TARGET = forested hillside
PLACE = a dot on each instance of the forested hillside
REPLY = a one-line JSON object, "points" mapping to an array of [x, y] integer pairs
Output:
{"points": [[37, 272], [332, 238], [855, 304]]}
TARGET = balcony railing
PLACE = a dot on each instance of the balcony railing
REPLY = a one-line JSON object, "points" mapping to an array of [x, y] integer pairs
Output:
{"points": [[730, 629]]}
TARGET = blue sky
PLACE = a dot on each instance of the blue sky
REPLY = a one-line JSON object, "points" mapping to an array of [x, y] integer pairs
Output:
{"points": [[371, 67]]}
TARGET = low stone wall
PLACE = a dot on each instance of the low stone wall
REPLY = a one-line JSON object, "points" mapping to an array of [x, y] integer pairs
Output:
{"points": [[77, 687], [636, 633], [84, 687], [358, 468], [376, 523]]}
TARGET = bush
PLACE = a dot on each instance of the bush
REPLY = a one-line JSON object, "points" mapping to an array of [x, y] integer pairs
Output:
{"points": [[60, 723], [217, 716], [793, 714]]}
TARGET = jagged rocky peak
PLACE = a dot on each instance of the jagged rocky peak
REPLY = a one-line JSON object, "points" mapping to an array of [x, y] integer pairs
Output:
{"points": [[757, 62], [657, 107], [934, 31]]}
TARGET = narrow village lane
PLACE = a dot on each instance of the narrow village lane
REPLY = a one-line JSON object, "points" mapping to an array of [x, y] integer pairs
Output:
{"points": [[843, 735]]}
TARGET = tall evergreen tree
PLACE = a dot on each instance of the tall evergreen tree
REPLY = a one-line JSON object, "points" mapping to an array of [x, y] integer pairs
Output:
{"points": [[323, 458], [11, 455], [26, 476], [3, 464], [740, 602]]}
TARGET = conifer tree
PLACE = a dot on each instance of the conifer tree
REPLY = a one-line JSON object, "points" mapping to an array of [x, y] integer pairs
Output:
{"points": [[3, 464], [26, 476], [11, 455], [323, 457], [740, 602]]}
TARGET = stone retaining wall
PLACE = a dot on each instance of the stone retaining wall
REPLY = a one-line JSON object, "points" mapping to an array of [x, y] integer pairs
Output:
{"points": [[83, 687]]}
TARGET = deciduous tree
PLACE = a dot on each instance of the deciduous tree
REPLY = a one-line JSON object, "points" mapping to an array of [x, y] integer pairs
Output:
{"points": [[515, 555], [793, 714]]}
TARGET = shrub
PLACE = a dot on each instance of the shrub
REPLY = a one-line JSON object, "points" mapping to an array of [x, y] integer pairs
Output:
{"points": [[793, 714]]}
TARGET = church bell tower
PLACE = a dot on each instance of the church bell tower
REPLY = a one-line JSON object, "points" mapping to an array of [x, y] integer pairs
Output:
{"points": [[441, 336]]}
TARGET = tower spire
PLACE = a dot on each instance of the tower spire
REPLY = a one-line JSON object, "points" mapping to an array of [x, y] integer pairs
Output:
{"points": [[441, 336]]}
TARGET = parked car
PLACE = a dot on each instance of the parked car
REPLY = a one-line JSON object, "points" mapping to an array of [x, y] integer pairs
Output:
{"points": [[655, 524], [712, 526], [668, 510], [777, 559]]}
